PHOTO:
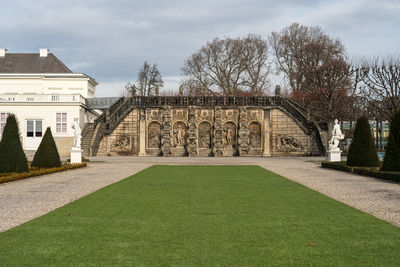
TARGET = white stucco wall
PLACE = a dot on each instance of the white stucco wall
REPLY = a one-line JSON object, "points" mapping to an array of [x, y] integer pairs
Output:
{"points": [[47, 84]]}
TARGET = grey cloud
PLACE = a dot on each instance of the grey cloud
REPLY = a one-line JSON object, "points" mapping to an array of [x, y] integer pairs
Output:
{"points": [[109, 40]]}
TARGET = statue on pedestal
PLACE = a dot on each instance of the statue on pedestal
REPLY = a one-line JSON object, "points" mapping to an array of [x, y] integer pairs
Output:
{"points": [[336, 137], [77, 133], [334, 150]]}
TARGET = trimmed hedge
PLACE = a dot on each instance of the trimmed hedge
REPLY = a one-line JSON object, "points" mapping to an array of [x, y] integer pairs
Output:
{"points": [[372, 172], [362, 151], [47, 155], [391, 161], [9, 177], [12, 156]]}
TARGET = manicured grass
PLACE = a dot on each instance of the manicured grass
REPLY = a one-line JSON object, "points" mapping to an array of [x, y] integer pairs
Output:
{"points": [[203, 215]]}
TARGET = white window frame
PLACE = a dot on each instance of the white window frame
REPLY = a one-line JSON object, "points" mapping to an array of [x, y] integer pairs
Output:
{"points": [[62, 122], [3, 122], [34, 130], [55, 98]]}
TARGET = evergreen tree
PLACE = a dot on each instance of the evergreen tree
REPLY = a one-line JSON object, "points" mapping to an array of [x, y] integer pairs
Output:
{"points": [[47, 154], [12, 156], [362, 151], [392, 151]]}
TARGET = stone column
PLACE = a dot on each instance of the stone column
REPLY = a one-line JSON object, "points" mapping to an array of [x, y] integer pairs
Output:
{"points": [[142, 132], [267, 135], [244, 142], [192, 133]]}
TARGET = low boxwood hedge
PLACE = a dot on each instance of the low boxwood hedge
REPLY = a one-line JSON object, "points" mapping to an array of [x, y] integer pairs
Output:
{"points": [[367, 171], [9, 177]]}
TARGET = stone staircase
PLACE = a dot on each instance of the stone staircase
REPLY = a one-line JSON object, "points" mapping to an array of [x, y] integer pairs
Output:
{"points": [[87, 135]]}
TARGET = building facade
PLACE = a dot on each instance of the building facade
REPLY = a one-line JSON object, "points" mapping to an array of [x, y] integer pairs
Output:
{"points": [[42, 92]]}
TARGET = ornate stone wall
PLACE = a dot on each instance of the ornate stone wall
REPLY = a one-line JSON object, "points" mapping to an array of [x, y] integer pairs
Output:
{"points": [[124, 140], [288, 138], [209, 131]]}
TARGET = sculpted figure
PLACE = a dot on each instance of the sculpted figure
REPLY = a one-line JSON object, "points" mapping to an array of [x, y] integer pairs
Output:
{"points": [[229, 137], [179, 135], [336, 137], [77, 134], [154, 139]]}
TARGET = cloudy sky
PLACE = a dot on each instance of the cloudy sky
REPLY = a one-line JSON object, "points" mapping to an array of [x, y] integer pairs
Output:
{"points": [[110, 40]]}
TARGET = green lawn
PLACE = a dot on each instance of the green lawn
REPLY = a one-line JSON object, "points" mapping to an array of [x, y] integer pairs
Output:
{"points": [[203, 215]]}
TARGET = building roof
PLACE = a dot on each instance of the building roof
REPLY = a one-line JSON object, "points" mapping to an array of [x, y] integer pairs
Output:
{"points": [[31, 63]]}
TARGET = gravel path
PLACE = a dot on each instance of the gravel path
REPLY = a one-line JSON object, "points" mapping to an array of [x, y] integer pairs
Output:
{"points": [[27, 199], [24, 200]]}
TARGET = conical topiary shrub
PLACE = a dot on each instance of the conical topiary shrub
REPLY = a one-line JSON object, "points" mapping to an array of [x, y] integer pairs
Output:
{"points": [[12, 156], [47, 154], [392, 151], [362, 151]]}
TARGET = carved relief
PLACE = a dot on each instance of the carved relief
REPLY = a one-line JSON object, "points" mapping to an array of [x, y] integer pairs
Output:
{"points": [[179, 134], [179, 115], [166, 136], [218, 133], [204, 114], [229, 135], [254, 115], [153, 115], [204, 134], [286, 143], [243, 134], [255, 135], [154, 135], [192, 133], [122, 143], [230, 115]]}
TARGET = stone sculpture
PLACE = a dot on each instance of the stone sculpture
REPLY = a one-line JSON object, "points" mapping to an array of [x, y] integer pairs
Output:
{"points": [[77, 133], [334, 152], [336, 137]]}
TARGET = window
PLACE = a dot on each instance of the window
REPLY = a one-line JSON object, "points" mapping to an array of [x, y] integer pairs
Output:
{"points": [[55, 98], [30, 99], [3, 119], [11, 99], [34, 128], [61, 122]]}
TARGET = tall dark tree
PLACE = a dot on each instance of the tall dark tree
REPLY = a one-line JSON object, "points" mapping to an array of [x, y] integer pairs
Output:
{"points": [[47, 155], [228, 67], [362, 151], [12, 156], [392, 152]]}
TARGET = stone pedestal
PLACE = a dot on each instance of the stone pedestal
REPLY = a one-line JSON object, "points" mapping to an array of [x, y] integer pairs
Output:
{"points": [[76, 155], [334, 156], [178, 151], [228, 152]]}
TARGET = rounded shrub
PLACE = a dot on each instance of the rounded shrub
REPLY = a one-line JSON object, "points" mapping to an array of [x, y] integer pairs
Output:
{"points": [[47, 154], [362, 151], [392, 151], [12, 156]]}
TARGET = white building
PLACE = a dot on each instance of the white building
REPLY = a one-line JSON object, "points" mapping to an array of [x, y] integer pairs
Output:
{"points": [[42, 92]]}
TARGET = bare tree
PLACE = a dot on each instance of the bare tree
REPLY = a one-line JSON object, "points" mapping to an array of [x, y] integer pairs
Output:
{"points": [[131, 89], [227, 67], [381, 84], [149, 81], [316, 68]]}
